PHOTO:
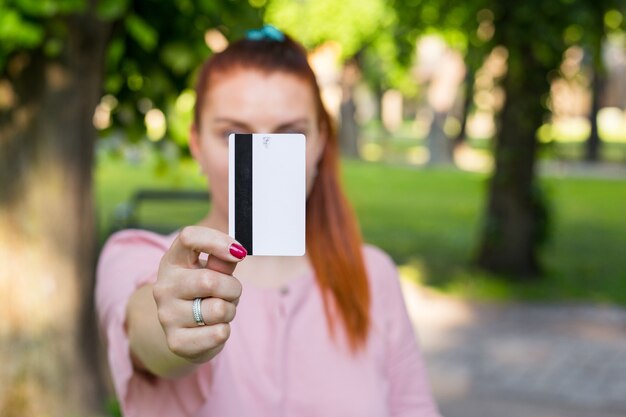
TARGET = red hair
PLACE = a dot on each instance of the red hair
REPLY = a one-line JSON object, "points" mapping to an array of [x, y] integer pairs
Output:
{"points": [[333, 237]]}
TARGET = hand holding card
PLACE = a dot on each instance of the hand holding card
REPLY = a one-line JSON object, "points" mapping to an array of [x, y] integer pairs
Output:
{"points": [[267, 193]]}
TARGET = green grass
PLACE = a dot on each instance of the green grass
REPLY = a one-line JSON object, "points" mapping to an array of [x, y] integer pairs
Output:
{"points": [[586, 258], [429, 221], [116, 180], [416, 213]]}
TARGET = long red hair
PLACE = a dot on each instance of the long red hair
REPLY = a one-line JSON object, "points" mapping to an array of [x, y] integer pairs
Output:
{"points": [[333, 237]]}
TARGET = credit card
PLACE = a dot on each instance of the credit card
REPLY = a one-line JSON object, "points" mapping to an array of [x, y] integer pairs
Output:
{"points": [[267, 192]]}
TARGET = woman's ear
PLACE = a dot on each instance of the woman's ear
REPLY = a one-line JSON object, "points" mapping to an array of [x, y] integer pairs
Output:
{"points": [[195, 147], [321, 144], [194, 142]]}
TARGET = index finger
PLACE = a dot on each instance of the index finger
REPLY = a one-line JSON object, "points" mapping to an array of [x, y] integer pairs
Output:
{"points": [[192, 240]]}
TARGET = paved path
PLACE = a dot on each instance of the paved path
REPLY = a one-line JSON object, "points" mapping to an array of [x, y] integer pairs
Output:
{"points": [[497, 360], [581, 169]]}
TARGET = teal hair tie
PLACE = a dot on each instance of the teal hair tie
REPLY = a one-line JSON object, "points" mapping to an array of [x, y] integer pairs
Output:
{"points": [[267, 32]]}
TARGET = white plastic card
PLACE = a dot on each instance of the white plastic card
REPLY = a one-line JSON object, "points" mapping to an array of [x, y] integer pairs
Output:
{"points": [[267, 192]]}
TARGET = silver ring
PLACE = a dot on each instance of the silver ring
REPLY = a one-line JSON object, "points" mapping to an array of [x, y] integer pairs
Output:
{"points": [[197, 311]]}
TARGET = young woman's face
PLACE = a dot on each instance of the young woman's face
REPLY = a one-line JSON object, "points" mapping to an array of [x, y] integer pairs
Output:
{"points": [[249, 101]]}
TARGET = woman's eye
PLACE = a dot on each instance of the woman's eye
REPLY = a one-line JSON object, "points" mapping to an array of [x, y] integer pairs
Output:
{"points": [[300, 131], [227, 133]]}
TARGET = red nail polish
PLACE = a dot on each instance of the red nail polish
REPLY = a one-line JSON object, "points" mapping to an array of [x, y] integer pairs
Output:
{"points": [[238, 251]]}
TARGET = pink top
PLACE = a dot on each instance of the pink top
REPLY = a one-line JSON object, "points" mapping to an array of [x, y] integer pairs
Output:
{"points": [[280, 359]]}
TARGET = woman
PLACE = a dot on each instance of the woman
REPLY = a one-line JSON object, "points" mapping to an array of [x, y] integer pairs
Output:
{"points": [[326, 334]]}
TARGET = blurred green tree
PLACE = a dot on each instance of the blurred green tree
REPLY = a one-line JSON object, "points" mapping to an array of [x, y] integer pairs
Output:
{"points": [[354, 25], [57, 57], [535, 34], [457, 23], [599, 23]]}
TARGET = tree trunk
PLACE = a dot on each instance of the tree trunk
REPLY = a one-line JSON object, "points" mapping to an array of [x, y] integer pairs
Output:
{"points": [[468, 99], [348, 127], [438, 143], [47, 240], [515, 220], [598, 81]]}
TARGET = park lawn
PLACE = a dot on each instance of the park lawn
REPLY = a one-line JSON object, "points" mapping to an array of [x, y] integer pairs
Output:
{"points": [[429, 220], [116, 180]]}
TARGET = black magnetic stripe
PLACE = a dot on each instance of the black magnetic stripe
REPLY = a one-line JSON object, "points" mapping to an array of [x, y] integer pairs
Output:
{"points": [[243, 190]]}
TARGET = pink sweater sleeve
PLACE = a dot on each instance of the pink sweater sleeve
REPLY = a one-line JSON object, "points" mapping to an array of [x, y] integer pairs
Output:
{"points": [[129, 260], [409, 390]]}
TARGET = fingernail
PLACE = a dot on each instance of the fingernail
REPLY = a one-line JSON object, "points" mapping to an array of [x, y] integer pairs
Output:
{"points": [[238, 251]]}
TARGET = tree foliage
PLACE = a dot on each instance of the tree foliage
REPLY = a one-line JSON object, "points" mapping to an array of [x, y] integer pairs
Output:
{"points": [[364, 29], [351, 23], [157, 46], [152, 53], [28, 24], [535, 35], [154, 46]]}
